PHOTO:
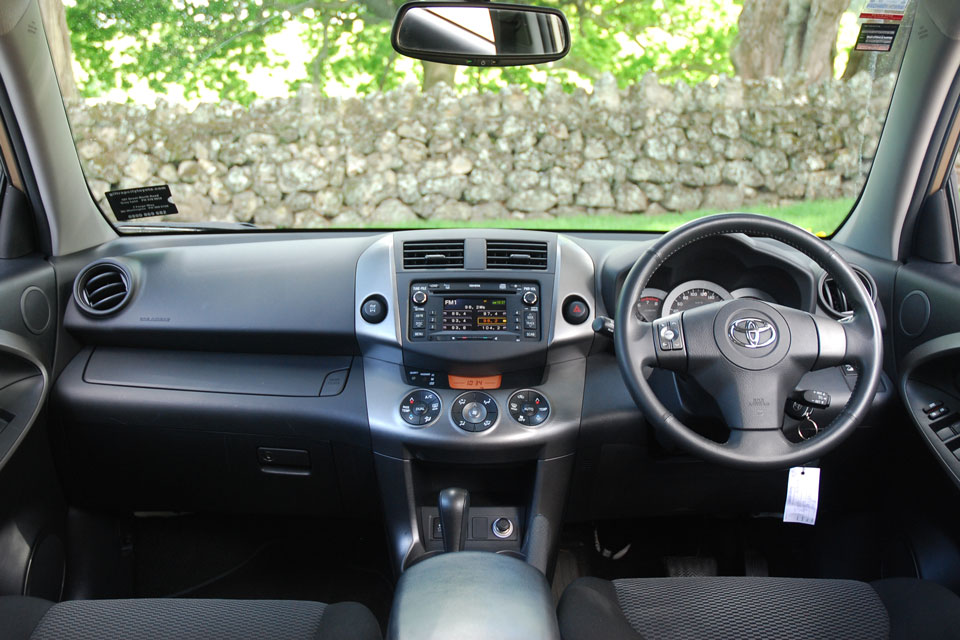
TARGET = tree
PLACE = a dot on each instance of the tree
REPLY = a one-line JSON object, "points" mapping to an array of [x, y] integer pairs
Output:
{"points": [[209, 44], [783, 37], [55, 25]]}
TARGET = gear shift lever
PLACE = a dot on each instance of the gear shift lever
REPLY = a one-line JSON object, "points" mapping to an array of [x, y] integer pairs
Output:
{"points": [[454, 507]]}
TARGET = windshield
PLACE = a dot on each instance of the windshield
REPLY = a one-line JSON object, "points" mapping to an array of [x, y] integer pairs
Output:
{"points": [[300, 115]]}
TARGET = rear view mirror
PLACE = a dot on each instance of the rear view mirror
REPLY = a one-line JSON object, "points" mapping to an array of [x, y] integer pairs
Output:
{"points": [[482, 34]]}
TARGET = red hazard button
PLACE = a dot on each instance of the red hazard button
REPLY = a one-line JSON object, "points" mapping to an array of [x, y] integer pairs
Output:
{"points": [[575, 310]]}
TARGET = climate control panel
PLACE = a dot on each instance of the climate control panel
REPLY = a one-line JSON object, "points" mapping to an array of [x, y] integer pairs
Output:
{"points": [[474, 411], [420, 408], [528, 407]]}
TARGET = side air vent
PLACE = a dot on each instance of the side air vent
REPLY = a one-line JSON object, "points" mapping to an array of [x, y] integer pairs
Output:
{"points": [[433, 254], [102, 288], [835, 301], [503, 254]]}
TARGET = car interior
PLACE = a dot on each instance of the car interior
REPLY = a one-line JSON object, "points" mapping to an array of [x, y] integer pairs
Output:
{"points": [[733, 429]]}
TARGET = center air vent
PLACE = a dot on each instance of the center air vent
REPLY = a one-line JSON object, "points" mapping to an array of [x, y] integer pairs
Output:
{"points": [[835, 301], [102, 288], [433, 254], [503, 254]]}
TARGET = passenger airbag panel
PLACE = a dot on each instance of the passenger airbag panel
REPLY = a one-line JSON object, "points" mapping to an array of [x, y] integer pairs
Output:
{"points": [[250, 374]]}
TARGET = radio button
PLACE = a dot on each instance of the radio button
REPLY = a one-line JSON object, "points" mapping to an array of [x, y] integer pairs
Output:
{"points": [[530, 298], [419, 297]]}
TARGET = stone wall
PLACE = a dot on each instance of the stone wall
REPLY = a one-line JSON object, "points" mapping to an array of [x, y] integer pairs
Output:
{"points": [[397, 157]]}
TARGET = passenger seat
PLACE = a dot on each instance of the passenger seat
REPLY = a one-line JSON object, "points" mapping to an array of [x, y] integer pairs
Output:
{"points": [[24, 618]]}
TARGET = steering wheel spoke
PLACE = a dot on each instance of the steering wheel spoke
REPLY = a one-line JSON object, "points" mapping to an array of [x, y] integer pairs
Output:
{"points": [[758, 443]]}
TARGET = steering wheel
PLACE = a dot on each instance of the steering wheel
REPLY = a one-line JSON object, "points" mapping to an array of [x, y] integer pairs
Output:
{"points": [[748, 354]]}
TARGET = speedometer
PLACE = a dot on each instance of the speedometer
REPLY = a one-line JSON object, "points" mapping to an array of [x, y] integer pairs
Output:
{"points": [[693, 294]]}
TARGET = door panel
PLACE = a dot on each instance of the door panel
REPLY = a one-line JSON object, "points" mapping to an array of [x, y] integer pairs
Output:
{"points": [[32, 511]]}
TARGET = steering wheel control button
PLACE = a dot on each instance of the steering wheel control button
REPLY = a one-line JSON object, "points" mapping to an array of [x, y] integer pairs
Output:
{"points": [[502, 528], [575, 310], [529, 408], [374, 309], [474, 411], [668, 335], [420, 408]]}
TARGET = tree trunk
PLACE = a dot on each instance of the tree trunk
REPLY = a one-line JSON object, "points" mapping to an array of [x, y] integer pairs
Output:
{"points": [[782, 37], [436, 72], [58, 35]]}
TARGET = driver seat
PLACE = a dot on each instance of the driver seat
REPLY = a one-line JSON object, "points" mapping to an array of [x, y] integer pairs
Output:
{"points": [[757, 608]]}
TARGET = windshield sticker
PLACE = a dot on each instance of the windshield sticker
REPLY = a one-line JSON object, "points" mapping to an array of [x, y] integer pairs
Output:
{"points": [[885, 10], [876, 36], [143, 202]]}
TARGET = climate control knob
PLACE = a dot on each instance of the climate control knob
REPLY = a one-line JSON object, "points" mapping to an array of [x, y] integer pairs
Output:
{"points": [[529, 408], [420, 408], [474, 411], [419, 297]]}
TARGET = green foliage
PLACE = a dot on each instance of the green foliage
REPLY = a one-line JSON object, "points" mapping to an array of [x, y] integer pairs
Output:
{"points": [[210, 44]]}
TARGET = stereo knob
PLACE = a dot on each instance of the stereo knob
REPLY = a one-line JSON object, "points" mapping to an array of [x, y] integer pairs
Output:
{"points": [[530, 298], [419, 297]]}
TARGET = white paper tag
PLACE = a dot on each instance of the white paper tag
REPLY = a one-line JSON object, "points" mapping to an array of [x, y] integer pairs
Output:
{"points": [[803, 493]]}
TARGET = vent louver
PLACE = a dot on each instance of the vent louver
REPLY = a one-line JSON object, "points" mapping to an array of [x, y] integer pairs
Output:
{"points": [[102, 288], [503, 254], [433, 254], [835, 301]]}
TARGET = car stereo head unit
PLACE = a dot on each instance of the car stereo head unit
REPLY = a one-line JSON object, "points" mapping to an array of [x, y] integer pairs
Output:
{"points": [[474, 310]]}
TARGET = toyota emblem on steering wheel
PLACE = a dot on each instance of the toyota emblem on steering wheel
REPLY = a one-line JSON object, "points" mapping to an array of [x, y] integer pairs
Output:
{"points": [[753, 333]]}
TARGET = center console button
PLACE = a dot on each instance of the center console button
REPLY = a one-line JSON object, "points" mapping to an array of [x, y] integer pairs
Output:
{"points": [[474, 411], [528, 407], [419, 297], [420, 407]]}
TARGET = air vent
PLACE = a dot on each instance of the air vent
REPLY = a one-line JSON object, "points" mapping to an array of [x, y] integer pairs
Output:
{"points": [[102, 288], [502, 254], [433, 254], [835, 301]]}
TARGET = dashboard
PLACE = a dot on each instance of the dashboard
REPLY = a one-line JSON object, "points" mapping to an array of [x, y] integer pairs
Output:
{"points": [[308, 372]]}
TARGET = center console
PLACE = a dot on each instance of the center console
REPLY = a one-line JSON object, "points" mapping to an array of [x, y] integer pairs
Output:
{"points": [[471, 596], [474, 366]]}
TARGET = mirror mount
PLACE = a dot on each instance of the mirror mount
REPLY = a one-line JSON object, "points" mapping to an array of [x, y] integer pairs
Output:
{"points": [[480, 34]]}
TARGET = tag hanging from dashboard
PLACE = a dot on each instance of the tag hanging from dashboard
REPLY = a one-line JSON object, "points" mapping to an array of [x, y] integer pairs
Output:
{"points": [[803, 495]]}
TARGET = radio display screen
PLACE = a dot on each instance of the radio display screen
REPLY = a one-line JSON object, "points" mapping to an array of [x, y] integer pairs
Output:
{"points": [[474, 314]]}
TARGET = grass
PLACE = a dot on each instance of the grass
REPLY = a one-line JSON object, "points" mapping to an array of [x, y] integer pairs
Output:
{"points": [[821, 217]]}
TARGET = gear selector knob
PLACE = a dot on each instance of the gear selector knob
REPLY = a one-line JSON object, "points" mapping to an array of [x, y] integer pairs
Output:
{"points": [[454, 505]]}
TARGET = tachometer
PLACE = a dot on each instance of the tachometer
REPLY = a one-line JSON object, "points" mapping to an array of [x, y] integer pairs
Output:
{"points": [[693, 294], [650, 304]]}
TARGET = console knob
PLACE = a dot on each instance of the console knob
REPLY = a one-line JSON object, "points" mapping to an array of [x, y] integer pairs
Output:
{"points": [[502, 527], [530, 298], [419, 297], [374, 309]]}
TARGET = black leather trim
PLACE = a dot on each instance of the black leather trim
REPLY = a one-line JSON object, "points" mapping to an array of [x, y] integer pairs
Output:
{"points": [[589, 610], [348, 621], [20, 615], [919, 609]]}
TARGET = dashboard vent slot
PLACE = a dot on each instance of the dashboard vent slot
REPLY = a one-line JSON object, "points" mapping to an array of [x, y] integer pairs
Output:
{"points": [[835, 301], [433, 254], [102, 288], [502, 254]]}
